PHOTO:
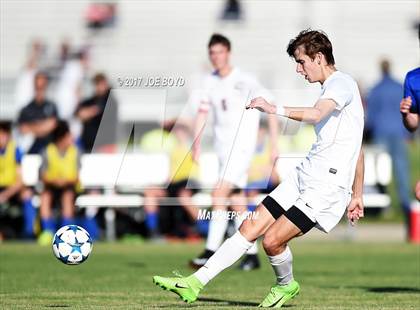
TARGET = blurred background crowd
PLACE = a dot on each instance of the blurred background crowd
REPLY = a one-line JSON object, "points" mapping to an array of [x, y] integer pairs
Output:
{"points": [[60, 73]]}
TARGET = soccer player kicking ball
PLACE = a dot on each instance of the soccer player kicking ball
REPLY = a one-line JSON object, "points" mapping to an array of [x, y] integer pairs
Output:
{"points": [[315, 193]]}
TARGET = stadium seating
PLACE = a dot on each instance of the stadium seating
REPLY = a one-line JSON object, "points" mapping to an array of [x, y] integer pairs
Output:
{"points": [[133, 47]]}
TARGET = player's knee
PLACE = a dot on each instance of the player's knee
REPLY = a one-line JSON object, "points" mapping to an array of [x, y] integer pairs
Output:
{"points": [[219, 200], [238, 203], [249, 230], [268, 242], [25, 194], [185, 193], [151, 208], [271, 244], [218, 193], [46, 197], [68, 194]]}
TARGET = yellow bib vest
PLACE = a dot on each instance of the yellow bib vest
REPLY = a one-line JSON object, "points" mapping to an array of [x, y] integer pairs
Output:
{"points": [[61, 167], [8, 166], [182, 164]]}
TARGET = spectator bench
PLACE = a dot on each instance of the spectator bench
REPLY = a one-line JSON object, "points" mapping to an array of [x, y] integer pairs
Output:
{"points": [[122, 178]]}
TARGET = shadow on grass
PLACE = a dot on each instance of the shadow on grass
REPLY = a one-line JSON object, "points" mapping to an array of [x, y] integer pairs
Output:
{"points": [[392, 289], [381, 289], [57, 306], [234, 303]]}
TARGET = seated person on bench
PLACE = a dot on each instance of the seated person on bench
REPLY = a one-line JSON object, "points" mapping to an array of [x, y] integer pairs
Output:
{"points": [[181, 182], [12, 191], [60, 173]]}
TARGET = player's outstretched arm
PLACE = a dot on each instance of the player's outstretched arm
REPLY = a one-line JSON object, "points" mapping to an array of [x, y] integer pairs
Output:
{"points": [[355, 208], [312, 115]]}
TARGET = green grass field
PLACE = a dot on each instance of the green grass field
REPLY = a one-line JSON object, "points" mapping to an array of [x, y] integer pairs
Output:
{"points": [[333, 275]]}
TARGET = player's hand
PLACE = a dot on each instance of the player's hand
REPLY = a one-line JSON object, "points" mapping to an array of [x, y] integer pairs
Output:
{"points": [[405, 105], [262, 105], [355, 210]]}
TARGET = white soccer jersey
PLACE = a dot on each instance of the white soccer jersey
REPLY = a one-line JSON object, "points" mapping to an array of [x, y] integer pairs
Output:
{"points": [[320, 186], [333, 157], [235, 128]]}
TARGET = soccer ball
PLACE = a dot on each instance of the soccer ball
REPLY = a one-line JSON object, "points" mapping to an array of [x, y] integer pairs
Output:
{"points": [[72, 244]]}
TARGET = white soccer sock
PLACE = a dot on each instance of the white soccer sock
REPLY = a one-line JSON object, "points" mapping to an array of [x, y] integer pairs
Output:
{"points": [[282, 265], [252, 250], [217, 230], [229, 252]]}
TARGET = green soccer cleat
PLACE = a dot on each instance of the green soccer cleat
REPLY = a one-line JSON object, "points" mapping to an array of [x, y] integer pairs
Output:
{"points": [[280, 294], [185, 287]]}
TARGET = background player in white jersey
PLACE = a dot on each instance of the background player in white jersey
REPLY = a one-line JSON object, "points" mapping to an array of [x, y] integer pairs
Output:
{"points": [[226, 92], [317, 191]]}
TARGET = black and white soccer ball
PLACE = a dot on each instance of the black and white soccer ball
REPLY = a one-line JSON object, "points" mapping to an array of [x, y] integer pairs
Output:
{"points": [[72, 244]]}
